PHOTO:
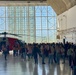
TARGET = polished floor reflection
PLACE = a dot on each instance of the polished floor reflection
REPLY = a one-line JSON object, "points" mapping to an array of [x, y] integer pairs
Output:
{"points": [[16, 66]]}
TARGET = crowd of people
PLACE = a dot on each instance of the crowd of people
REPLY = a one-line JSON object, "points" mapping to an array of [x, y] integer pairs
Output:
{"points": [[54, 52]]}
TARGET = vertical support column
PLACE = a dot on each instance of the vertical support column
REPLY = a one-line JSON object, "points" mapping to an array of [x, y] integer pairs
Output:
{"points": [[23, 16], [5, 18], [8, 11], [41, 27], [34, 26], [55, 30], [47, 27], [14, 19], [20, 21], [28, 26]]}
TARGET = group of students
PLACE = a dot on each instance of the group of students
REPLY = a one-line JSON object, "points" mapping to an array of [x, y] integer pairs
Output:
{"points": [[53, 51]]}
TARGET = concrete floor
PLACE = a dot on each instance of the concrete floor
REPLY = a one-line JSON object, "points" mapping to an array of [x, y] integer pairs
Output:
{"points": [[16, 66]]}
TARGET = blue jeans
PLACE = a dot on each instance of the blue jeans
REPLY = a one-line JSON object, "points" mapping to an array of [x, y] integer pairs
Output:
{"points": [[43, 58], [74, 70], [58, 58], [63, 57], [51, 56], [24, 55], [70, 59], [36, 59]]}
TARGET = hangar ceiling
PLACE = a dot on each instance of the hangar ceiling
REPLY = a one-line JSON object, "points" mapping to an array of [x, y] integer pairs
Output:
{"points": [[59, 6]]}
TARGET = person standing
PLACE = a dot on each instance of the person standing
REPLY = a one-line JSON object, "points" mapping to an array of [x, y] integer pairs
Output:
{"points": [[4, 49], [35, 53], [62, 53], [74, 63], [51, 54], [70, 53], [43, 53]]}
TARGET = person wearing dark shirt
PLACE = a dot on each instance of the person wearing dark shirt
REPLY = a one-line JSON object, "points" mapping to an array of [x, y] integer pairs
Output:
{"points": [[4, 49], [35, 53], [74, 63]]}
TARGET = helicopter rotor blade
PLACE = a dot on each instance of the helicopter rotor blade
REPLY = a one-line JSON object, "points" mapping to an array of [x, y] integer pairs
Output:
{"points": [[5, 33]]}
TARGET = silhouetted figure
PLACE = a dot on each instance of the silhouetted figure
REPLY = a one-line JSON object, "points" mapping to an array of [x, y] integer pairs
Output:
{"points": [[4, 49], [43, 54], [74, 63], [35, 53]]}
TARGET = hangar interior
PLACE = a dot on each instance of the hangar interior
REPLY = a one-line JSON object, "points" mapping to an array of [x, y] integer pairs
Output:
{"points": [[39, 21]]}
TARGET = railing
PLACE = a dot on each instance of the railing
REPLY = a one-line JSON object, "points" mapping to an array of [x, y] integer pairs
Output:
{"points": [[66, 31]]}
